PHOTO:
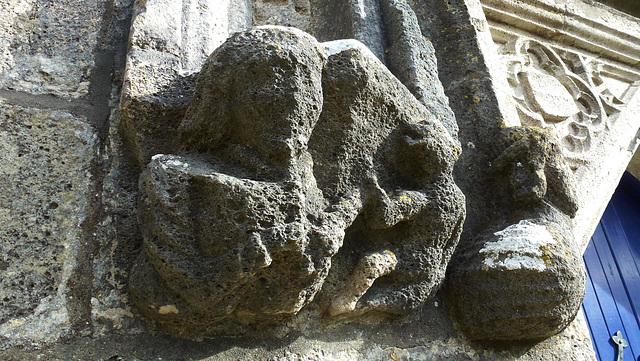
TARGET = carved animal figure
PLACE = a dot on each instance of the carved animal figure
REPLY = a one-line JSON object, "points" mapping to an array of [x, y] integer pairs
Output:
{"points": [[522, 278], [286, 144]]}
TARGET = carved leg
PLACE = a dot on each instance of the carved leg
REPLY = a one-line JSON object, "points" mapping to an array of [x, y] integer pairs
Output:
{"points": [[370, 268]]}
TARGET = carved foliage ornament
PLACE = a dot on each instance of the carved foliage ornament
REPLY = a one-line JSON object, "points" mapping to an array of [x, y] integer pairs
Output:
{"points": [[560, 90]]}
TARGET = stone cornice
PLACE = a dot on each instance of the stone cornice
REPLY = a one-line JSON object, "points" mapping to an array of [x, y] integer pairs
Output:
{"points": [[607, 33]]}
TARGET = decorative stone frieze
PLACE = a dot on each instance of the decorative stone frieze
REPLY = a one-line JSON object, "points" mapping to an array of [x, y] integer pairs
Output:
{"points": [[561, 90], [537, 185], [594, 52]]}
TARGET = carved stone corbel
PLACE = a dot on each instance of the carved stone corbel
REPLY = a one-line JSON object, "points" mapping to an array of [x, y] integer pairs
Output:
{"points": [[287, 146]]}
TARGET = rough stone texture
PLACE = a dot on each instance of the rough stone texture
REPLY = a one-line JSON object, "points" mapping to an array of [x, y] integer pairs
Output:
{"points": [[543, 273], [411, 57], [55, 89], [367, 271], [534, 256], [44, 201], [47, 47], [169, 41], [350, 19], [291, 13], [240, 231], [563, 91], [77, 62], [391, 31], [429, 336], [465, 56], [375, 140], [241, 235], [541, 94]]}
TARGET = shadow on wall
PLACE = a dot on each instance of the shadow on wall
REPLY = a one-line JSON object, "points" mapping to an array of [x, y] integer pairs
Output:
{"points": [[629, 7]]}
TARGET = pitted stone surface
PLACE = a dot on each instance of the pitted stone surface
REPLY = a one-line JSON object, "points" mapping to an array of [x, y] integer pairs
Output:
{"points": [[44, 200], [242, 227], [162, 91], [375, 139], [47, 47], [241, 234], [524, 277], [517, 288], [411, 57]]}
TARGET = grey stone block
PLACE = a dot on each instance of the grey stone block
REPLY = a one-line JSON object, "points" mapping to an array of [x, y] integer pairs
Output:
{"points": [[45, 177]]}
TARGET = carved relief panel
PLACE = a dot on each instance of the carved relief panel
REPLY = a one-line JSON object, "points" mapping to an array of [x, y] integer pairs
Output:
{"points": [[561, 90]]}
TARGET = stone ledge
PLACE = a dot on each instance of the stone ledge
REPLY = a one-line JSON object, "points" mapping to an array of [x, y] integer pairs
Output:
{"points": [[591, 27]]}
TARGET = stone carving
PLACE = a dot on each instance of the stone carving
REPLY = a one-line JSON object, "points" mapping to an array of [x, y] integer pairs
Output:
{"points": [[560, 90], [287, 146], [372, 141], [523, 278], [536, 170]]}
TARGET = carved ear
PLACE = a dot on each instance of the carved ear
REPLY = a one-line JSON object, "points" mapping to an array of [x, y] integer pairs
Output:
{"points": [[561, 185]]}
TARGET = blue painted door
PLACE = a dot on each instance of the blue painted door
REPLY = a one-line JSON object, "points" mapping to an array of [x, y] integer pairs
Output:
{"points": [[612, 300]]}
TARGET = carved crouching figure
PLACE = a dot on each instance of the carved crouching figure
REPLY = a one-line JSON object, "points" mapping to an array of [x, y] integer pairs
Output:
{"points": [[286, 144], [523, 278], [388, 149], [408, 230], [234, 229]]}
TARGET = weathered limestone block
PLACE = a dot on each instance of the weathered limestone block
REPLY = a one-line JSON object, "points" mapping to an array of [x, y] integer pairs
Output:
{"points": [[591, 52], [47, 47], [566, 68], [46, 192], [527, 280], [285, 146]]}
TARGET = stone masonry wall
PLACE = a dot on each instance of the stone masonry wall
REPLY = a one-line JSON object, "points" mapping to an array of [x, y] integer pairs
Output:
{"points": [[69, 231]]}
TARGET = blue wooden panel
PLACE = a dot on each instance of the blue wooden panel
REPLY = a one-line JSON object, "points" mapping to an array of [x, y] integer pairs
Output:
{"points": [[620, 271], [627, 207], [592, 312], [604, 294], [612, 300], [626, 262]]}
